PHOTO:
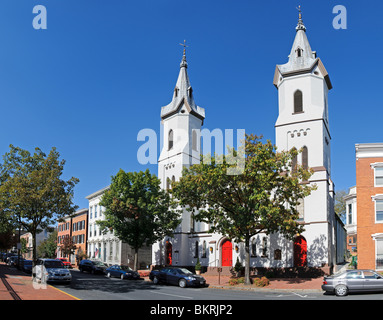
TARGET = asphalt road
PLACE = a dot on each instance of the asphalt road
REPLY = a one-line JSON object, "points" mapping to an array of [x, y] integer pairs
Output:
{"points": [[87, 286]]}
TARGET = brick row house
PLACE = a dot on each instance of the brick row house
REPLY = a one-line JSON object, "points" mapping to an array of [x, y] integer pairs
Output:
{"points": [[76, 228], [364, 207]]}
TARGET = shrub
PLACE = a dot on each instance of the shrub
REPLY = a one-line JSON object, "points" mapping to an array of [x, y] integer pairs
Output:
{"points": [[261, 282], [235, 281]]}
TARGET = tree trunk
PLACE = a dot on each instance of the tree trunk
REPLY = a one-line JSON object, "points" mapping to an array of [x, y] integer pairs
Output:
{"points": [[34, 253], [247, 260], [135, 259]]}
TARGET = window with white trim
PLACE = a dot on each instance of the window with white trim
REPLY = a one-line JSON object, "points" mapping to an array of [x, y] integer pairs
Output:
{"points": [[379, 177], [379, 254], [379, 211]]}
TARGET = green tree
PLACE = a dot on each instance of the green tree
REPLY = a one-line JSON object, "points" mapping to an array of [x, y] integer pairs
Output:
{"points": [[261, 197], [32, 193], [47, 248], [68, 247], [138, 210], [340, 204]]}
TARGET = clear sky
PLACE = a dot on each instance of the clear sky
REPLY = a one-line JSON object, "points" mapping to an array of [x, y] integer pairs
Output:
{"points": [[103, 69]]}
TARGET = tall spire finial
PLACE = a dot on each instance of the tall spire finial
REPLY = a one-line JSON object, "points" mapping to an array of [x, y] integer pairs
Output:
{"points": [[184, 63], [300, 25], [184, 45]]}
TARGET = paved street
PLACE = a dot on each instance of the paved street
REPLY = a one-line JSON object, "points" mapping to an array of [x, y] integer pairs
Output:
{"points": [[98, 287]]}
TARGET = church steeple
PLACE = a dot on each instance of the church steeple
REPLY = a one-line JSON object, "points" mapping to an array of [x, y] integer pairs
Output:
{"points": [[301, 56], [183, 93], [302, 59]]}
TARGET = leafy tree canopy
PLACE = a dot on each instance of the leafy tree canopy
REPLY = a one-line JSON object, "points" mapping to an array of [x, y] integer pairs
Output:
{"points": [[239, 202], [138, 210], [32, 193]]}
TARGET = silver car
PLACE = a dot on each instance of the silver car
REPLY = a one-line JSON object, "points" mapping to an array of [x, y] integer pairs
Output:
{"points": [[47, 270], [353, 281]]}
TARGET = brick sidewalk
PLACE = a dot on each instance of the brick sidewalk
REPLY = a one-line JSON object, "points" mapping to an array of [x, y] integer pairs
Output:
{"points": [[23, 286], [312, 284]]}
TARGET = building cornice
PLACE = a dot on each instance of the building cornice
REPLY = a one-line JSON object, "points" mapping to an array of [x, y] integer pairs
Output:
{"points": [[369, 150], [97, 193]]}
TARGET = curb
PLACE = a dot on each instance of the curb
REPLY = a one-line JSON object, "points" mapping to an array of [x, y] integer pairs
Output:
{"points": [[264, 289]]}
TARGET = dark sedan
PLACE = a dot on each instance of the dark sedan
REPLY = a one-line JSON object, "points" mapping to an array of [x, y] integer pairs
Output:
{"points": [[122, 272], [178, 276], [27, 266], [353, 281]]}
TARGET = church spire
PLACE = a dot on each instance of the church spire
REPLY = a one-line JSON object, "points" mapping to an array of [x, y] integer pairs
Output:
{"points": [[183, 93], [300, 25]]}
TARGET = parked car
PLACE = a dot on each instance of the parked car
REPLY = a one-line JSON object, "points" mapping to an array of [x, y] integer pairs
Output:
{"points": [[8, 256], [178, 276], [48, 270], [92, 266], [14, 261], [27, 266], [353, 281], [123, 272], [65, 262]]}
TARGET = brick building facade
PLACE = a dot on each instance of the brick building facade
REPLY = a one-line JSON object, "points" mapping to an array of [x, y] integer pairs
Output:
{"points": [[369, 195], [76, 228]]}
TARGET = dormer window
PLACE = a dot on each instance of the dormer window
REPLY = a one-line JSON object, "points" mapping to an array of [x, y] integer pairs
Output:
{"points": [[190, 92], [299, 52]]}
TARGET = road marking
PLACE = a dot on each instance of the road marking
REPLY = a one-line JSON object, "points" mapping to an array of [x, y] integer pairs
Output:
{"points": [[174, 295], [290, 294], [65, 293]]}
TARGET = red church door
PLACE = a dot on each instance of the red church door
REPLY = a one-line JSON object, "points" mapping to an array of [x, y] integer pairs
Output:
{"points": [[227, 254], [300, 252], [169, 250]]}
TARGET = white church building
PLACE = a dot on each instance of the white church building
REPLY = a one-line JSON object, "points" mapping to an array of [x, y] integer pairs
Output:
{"points": [[303, 85]]}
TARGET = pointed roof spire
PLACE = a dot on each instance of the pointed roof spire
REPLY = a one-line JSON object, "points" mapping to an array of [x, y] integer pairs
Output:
{"points": [[183, 93], [300, 25], [302, 59], [184, 64]]}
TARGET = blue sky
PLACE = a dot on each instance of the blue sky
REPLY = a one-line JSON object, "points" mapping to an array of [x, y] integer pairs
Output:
{"points": [[103, 69]]}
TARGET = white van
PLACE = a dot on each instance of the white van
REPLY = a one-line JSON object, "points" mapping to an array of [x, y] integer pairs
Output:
{"points": [[47, 270]]}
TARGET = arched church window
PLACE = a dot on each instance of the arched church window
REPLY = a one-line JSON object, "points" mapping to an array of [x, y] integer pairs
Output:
{"points": [[298, 101], [294, 162], [301, 209], [170, 140], [194, 140], [253, 248], [176, 92], [305, 160], [204, 249], [264, 247], [191, 222], [196, 250]]}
